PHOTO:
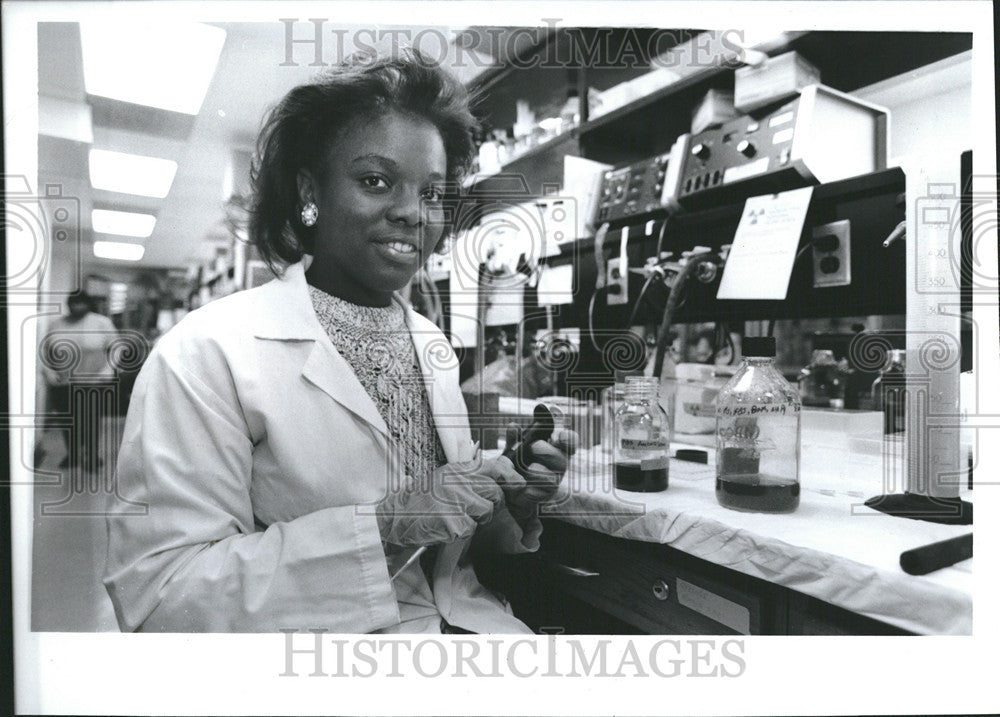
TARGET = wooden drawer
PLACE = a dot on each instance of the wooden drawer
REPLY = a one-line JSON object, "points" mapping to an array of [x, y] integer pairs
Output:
{"points": [[654, 587], [809, 616]]}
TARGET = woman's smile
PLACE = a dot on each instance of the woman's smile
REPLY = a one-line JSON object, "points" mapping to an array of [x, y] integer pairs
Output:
{"points": [[402, 251]]}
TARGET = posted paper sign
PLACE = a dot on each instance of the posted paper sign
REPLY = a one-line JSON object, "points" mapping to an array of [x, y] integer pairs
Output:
{"points": [[760, 262], [555, 285]]}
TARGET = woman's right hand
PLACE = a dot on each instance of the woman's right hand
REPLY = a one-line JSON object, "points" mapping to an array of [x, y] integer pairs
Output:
{"points": [[459, 497]]}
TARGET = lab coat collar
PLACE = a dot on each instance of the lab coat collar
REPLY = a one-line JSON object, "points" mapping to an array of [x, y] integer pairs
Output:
{"points": [[284, 312]]}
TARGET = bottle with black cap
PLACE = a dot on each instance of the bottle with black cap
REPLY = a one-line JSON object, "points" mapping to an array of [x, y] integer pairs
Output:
{"points": [[758, 435]]}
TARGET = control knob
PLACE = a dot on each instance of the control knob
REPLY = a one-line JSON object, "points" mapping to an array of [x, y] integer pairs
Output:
{"points": [[701, 151]]}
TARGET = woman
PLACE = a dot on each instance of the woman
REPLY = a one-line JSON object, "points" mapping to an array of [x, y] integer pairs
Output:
{"points": [[297, 443]]}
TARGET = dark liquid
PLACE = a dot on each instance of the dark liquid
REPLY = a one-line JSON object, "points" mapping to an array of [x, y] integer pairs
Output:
{"points": [[629, 476], [757, 493]]}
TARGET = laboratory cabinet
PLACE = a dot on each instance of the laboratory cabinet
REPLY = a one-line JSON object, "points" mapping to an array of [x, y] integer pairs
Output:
{"points": [[593, 60], [582, 581]]}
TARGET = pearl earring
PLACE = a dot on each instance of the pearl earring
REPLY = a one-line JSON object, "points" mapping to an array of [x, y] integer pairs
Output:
{"points": [[309, 214]]}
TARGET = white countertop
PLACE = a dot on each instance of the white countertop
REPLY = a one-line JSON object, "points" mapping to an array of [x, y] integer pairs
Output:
{"points": [[832, 547]]}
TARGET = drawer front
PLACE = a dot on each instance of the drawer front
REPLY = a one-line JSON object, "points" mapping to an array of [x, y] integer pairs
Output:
{"points": [[640, 584]]}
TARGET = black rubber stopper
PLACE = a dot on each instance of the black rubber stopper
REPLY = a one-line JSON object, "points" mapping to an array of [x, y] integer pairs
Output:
{"points": [[691, 455], [944, 553]]}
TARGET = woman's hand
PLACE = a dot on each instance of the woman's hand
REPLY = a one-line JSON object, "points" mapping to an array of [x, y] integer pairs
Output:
{"points": [[549, 461], [459, 497]]}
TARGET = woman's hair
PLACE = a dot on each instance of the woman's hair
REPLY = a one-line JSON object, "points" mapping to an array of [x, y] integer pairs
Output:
{"points": [[299, 132], [81, 297]]}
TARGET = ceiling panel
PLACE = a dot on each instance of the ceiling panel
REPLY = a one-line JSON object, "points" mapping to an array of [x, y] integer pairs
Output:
{"points": [[139, 119], [252, 75], [59, 60]]}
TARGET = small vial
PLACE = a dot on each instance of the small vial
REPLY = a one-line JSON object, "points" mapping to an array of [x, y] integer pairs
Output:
{"points": [[823, 382], [889, 392], [641, 438]]}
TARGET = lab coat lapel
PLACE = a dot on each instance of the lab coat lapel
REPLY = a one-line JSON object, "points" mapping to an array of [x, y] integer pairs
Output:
{"points": [[284, 312], [436, 358], [331, 373], [437, 361]]}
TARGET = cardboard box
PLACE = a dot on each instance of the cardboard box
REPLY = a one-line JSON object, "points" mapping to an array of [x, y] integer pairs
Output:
{"points": [[715, 108], [774, 80]]}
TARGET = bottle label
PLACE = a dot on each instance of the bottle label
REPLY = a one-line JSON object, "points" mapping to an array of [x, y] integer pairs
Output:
{"points": [[643, 444], [757, 409]]}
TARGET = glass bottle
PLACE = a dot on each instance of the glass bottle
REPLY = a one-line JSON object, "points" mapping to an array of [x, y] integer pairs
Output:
{"points": [[758, 435], [667, 392], [642, 444], [823, 382], [889, 392], [612, 398]]}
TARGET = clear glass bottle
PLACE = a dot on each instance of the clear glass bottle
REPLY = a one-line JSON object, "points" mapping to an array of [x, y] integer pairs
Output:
{"points": [[758, 435], [889, 392], [667, 392], [642, 438], [823, 382]]}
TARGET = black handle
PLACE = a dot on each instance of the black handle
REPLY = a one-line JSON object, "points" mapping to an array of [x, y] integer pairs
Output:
{"points": [[928, 558], [541, 428]]}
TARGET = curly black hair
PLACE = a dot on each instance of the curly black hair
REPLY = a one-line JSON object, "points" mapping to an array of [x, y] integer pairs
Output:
{"points": [[298, 134]]}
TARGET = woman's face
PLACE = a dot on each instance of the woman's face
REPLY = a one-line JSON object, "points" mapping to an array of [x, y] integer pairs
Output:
{"points": [[78, 308], [702, 351], [379, 207]]}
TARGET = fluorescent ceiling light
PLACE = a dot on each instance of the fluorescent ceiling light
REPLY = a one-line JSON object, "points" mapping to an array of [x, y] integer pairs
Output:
{"points": [[128, 224], [167, 66], [122, 251], [131, 173]]}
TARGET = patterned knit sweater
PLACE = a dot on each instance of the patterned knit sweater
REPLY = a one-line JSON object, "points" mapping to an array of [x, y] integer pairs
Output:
{"points": [[376, 342]]}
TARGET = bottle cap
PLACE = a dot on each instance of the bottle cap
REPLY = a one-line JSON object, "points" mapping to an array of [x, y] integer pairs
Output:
{"points": [[638, 388], [621, 376], [759, 346], [896, 356]]}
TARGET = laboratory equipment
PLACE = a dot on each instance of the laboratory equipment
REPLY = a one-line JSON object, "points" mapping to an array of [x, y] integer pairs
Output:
{"points": [[696, 388], [612, 398], [820, 136], [942, 554], [823, 382], [889, 392], [935, 460], [541, 428], [758, 435], [640, 188], [642, 438]]}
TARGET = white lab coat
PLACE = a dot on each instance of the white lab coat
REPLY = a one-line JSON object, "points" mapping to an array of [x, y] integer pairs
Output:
{"points": [[260, 456]]}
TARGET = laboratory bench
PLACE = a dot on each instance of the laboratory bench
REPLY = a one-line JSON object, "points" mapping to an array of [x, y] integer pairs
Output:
{"points": [[676, 562]]}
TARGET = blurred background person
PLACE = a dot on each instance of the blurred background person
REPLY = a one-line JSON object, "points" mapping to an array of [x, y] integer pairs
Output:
{"points": [[76, 356]]}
